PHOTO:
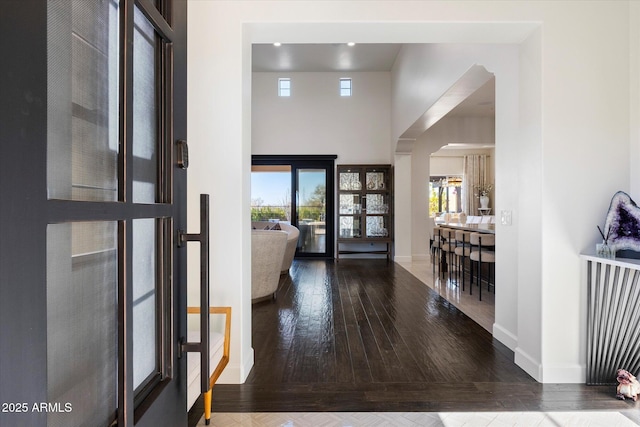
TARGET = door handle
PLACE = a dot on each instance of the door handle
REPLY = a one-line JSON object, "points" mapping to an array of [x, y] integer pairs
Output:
{"points": [[203, 238]]}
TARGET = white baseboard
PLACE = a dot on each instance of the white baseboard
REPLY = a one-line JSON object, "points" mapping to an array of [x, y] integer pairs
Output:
{"points": [[565, 373], [413, 258], [248, 364], [230, 375], [236, 373], [505, 337], [529, 364], [421, 257]]}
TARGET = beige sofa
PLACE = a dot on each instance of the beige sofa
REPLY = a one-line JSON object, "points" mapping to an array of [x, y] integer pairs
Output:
{"points": [[267, 253], [292, 243], [292, 240]]}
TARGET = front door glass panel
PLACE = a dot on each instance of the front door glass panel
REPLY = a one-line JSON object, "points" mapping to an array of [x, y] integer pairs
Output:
{"points": [[145, 324], [82, 323], [82, 100], [145, 111]]}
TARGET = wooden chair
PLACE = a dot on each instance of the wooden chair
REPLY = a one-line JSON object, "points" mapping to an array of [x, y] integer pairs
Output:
{"points": [[222, 361]]}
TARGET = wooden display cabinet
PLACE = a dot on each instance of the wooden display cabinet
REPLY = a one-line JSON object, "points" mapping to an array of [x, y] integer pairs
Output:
{"points": [[365, 209]]}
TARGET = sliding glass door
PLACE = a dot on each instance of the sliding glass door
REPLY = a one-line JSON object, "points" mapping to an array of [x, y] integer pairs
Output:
{"points": [[305, 183], [271, 193], [311, 210]]}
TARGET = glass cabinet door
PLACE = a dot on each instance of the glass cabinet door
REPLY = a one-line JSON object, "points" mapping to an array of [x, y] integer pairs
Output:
{"points": [[377, 204], [350, 180], [376, 180], [350, 227], [364, 201], [350, 203], [365, 209], [377, 226]]}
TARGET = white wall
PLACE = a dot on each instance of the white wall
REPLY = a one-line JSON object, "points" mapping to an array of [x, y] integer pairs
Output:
{"points": [[527, 210], [316, 120], [445, 165], [451, 162], [571, 114], [402, 180], [634, 82], [592, 119], [220, 161]]}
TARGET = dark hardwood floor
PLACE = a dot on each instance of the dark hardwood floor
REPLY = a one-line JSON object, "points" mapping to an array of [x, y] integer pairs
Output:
{"points": [[365, 335]]}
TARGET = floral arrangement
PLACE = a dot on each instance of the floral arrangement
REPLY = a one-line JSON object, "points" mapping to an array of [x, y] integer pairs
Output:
{"points": [[483, 189]]}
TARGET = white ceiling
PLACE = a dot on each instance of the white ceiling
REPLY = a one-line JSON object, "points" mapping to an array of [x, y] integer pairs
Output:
{"points": [[324, 57], [361, 57]]}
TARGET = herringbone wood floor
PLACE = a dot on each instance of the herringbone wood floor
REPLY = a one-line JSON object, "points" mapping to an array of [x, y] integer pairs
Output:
{"points": [[366, 335]]}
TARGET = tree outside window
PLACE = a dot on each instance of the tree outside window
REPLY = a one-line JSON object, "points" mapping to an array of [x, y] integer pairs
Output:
{"points": [[445, 194]]}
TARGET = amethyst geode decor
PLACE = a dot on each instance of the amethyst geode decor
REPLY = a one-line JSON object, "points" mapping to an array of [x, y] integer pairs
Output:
{"points": [[622, 226]]}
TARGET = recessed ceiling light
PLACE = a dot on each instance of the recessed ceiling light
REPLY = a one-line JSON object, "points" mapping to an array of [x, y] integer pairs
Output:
{"points": [[277, 44], [351, 44]]}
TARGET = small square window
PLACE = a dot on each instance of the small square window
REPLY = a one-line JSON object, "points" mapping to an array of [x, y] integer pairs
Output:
{"points": [[345, 87], [284, 87]]}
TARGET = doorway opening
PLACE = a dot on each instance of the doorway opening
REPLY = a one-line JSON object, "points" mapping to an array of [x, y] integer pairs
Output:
{"points": [[298, 190]]}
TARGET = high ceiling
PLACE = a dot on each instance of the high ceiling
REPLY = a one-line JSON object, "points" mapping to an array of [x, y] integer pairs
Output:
{"points": [[360, 57], [324, 57]]}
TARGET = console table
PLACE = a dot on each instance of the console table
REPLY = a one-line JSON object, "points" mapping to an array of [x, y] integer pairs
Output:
{"points": [[613, 317]]}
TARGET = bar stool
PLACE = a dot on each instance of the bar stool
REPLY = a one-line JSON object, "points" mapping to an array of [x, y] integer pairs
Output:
{"points": [[435, 248], [462, 251], [448, 245], [483, 253]]}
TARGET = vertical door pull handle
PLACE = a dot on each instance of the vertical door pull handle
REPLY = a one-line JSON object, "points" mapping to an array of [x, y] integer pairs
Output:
{"points": [[203, 346]]}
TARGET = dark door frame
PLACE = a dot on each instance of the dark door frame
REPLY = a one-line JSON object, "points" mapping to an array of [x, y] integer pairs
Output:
{"points": [[297, 162], [26, 211]]}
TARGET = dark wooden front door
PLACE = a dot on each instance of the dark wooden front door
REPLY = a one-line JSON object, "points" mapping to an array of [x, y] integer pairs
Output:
{"points": [[92, 304]]}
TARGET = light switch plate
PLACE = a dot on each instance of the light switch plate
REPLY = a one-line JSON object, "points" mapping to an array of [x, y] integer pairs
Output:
{"points": [[505, 217]]}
